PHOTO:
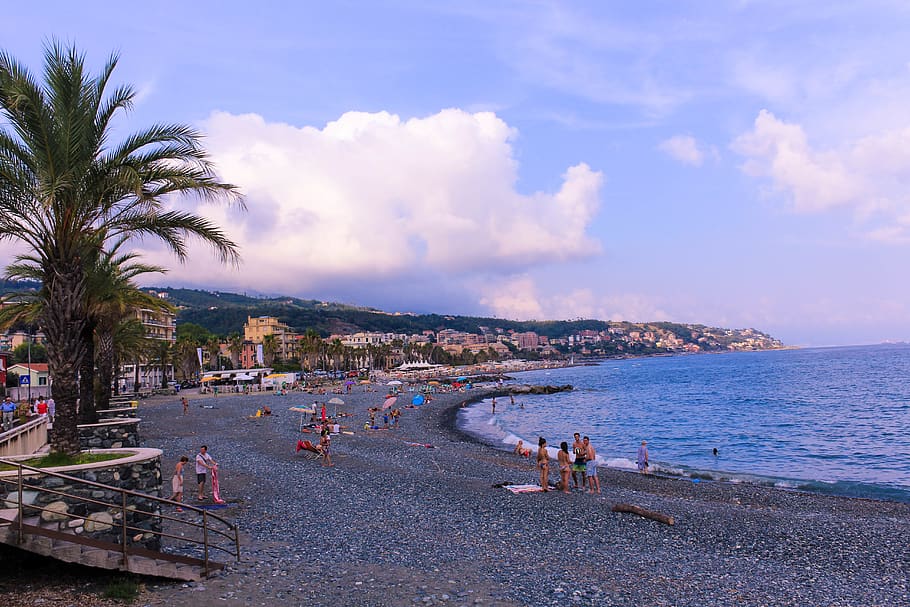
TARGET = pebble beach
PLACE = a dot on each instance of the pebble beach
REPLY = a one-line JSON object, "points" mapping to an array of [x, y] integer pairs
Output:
{"points": [[411, 516]]}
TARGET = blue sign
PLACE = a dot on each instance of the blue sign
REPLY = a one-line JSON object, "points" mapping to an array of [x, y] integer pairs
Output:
{"points": [[25, 380]]}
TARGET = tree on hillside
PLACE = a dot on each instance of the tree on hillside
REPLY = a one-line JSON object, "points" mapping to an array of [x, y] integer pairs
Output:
{"points": [[67, 189]]}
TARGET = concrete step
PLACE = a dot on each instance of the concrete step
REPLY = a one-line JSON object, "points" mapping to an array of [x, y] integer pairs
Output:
{"points": [[8, 515], [67, 551], [98, 557], [90, 556]]}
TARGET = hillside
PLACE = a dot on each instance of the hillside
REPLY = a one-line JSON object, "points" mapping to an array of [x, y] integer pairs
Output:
{"points": [[225, 313]]}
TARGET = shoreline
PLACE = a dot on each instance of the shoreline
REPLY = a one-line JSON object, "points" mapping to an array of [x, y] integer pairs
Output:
{"points": [[397, 523], [863, 490]]}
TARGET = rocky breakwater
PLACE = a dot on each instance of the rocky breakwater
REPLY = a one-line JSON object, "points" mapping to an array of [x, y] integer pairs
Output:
{"points": [[95, 508], [527, 389], [121, 433]]}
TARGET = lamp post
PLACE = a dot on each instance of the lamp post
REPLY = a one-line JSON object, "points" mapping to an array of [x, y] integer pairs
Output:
{"points": [[29, 342]]}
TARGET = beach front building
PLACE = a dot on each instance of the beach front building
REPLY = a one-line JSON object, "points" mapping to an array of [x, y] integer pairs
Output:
{"points": [[149, 373], [255, 330], [37, 383]]}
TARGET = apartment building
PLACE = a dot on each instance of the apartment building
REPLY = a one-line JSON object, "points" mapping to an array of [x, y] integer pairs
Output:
{"points": [[255, 330]]}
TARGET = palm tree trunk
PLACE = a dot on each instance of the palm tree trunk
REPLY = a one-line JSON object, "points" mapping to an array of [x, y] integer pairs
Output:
{"points": [[87, 413], [63, 322], [105, 369]]}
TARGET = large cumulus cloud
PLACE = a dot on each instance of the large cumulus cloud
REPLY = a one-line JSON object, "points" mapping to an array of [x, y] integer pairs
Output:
{"points": [[372, 197]]}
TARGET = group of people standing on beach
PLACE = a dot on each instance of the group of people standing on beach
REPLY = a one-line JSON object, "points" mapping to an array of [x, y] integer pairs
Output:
{"points": [[582, 462]]}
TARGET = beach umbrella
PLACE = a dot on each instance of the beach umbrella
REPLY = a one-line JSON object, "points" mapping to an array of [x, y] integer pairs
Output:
{"points": [[418, 400], [350, 382], [209, 378], [302, 410], [336, 401], [462, 378], [394, 382], [389, 402], [364, 381]]}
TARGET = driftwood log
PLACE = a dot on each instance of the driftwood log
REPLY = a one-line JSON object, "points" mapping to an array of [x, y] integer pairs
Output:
{"points": [[655, 516]]}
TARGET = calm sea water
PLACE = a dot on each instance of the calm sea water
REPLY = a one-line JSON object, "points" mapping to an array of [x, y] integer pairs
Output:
{"points": [[835, 420]]}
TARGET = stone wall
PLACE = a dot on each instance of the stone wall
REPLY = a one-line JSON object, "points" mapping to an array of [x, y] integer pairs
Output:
{"points": [[101, 517], [110, 434], [116, 413]]}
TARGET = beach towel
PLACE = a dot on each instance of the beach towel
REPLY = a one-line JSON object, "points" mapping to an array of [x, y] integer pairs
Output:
{"points": [[523, 488], [216, 489]]}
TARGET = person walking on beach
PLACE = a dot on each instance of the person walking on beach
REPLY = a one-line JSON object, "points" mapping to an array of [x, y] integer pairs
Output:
{"points": [[325, 443], [578, 466], [494, 405], [9, 409], [186, 405], [643, 457], [204, 463], [564, 468], [51, 409], [177, 481], [543, 464], [591, 466]]}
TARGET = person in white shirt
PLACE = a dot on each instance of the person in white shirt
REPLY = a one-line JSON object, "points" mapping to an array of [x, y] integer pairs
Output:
{"points": [[204, 463]]}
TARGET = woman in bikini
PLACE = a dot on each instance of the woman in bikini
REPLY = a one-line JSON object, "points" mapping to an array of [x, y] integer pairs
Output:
{"points": [[177, 481], [543, 464], [564, 467], [325, 446]]}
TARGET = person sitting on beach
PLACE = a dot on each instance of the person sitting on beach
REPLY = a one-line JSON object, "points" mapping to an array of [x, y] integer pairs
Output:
{"points": [[521, 450], [266, 410], [643, 457], [543, 464]]}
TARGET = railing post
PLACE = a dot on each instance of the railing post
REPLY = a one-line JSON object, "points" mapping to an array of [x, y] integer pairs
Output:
{"points": [[21, 508], [205, 541], [237, 542], [123, 521]]}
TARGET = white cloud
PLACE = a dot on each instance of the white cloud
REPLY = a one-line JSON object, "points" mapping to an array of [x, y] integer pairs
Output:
{"points": [[867, 175], [683, 148], [519, 298], [371, 197]]}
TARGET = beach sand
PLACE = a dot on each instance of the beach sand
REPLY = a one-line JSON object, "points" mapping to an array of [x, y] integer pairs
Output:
{"points": [[397, 524]]}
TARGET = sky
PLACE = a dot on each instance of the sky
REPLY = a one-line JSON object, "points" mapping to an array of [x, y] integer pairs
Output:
{"points": [[735, 164]]}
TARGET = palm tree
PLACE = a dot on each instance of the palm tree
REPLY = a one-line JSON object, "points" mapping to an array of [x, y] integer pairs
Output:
{"points": [[66, 189], [235, 347], [161, 356], [186, 358], [213, 347], [269, 349], [113, 301]]}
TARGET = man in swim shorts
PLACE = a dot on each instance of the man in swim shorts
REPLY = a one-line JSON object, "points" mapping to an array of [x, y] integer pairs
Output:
{"points": [[578, 465], [591, 466]]}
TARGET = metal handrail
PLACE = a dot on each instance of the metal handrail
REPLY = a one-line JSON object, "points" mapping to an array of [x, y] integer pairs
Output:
{"points": [[231, 533]]}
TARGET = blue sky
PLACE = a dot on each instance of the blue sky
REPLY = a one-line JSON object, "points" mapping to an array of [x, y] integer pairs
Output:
{"points": [[741, 164]]}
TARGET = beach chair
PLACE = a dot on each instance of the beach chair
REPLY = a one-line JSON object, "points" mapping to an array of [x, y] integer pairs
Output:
{"points": [[309, 450]]}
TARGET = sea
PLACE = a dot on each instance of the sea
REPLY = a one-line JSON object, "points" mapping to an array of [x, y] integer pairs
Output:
{"points": [[830, 420]]}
